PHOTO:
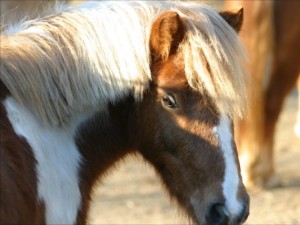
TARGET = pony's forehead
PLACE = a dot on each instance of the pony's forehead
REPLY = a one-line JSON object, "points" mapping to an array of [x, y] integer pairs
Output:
{"points": [[170, 73]]}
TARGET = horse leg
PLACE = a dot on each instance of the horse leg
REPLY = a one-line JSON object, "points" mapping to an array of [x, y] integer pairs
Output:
{"points": [[283, 80]]}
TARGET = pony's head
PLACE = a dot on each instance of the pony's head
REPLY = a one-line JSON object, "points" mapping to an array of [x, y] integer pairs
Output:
{"points": [[184, 121]]}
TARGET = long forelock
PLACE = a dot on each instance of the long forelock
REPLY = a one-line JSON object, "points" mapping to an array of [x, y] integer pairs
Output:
{"points": [[214, 59]]}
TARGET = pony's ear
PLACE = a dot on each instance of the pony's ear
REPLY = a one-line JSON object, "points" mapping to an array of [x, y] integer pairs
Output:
{"points": [[234, 19], [166, 34]]}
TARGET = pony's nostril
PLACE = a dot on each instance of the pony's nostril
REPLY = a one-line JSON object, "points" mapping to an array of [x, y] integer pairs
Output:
{"points": [[216, 215]]}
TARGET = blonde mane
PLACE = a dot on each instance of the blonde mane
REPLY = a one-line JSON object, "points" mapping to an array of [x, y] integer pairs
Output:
{"points": [[75, 59]]}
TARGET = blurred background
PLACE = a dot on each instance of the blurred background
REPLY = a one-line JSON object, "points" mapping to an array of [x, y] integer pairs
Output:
{"points": [[131, 193]]}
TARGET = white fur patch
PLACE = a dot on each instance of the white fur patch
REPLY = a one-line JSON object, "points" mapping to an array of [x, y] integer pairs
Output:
{"points": [[231, 179], [58, 161]]}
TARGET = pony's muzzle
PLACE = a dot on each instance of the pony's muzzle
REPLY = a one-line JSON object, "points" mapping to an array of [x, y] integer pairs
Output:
{"points": [[217, 214]]}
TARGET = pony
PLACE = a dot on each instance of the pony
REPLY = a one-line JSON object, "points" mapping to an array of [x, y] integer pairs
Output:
{"points": [[271, 35], [82, 87]]}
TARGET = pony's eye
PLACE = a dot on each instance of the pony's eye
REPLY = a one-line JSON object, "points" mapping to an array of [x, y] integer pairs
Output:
{"points": [[169, 101]]}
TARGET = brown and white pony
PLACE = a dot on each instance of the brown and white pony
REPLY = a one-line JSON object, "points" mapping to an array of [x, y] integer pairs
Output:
{"points": [[271, 34], [83, 87]]}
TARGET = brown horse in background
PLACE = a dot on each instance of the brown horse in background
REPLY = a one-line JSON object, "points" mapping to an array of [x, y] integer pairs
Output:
{"points": [[271, 34]]}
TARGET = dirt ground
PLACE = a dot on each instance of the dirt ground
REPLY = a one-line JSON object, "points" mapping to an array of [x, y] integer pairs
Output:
{"points": [[132, 193]]}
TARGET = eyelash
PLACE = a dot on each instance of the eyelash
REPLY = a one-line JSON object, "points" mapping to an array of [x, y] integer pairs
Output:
{"points": [[169, 101]]}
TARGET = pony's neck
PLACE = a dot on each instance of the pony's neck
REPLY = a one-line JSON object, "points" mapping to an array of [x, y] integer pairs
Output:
{"points": [[102, 141]]}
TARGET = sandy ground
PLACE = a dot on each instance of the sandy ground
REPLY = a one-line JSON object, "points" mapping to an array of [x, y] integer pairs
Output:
{"points": [[132, 193]]}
